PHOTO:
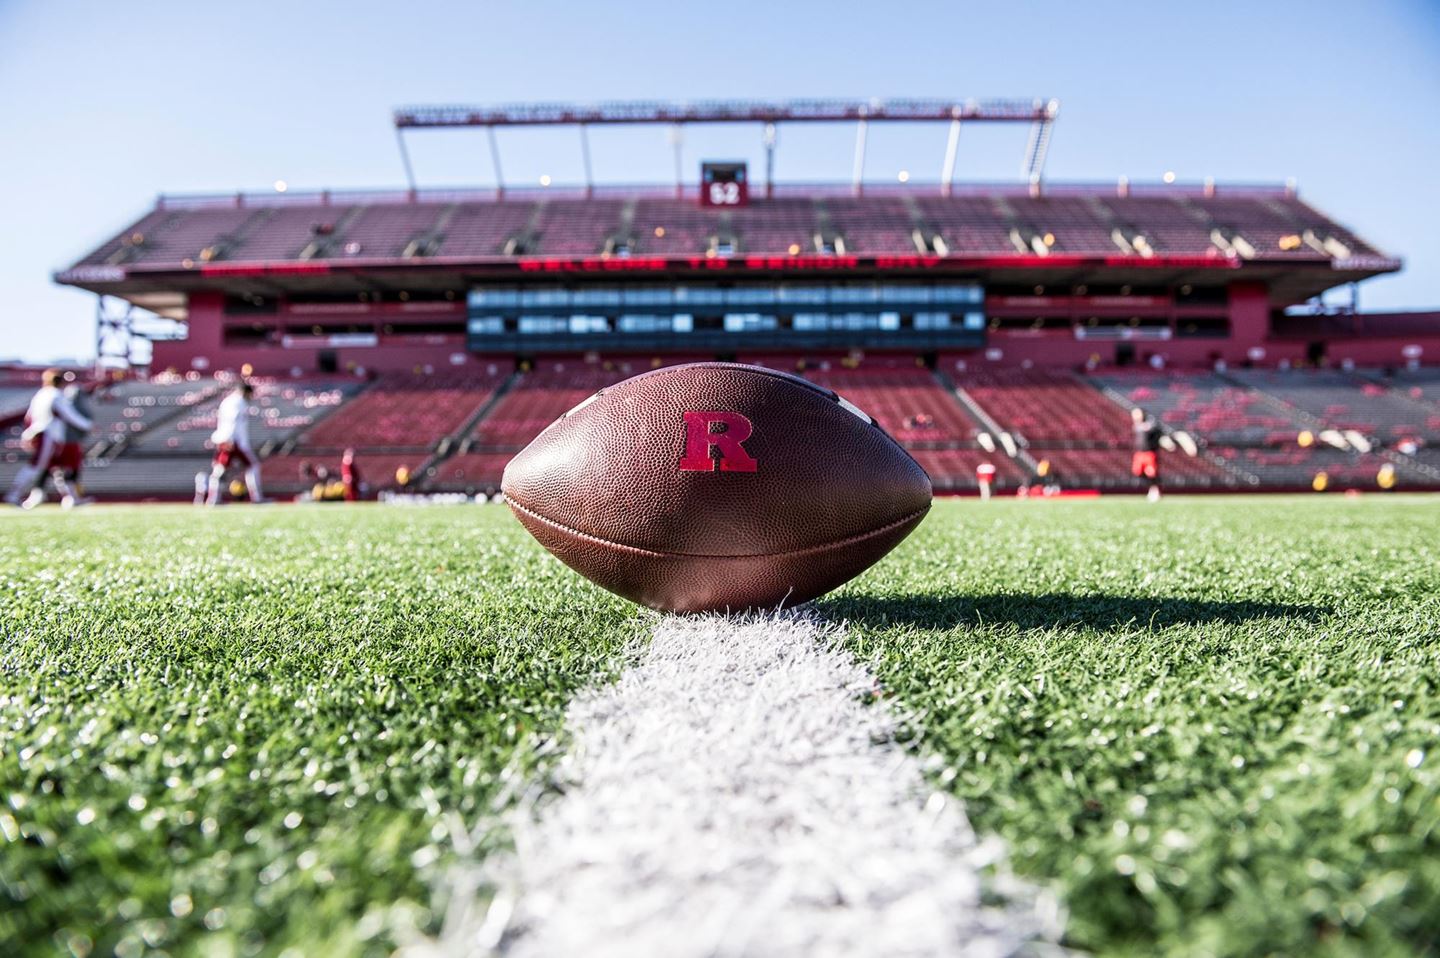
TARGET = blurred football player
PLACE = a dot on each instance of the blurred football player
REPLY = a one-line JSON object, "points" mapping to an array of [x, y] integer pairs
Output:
{"points": [[350, 476], [985, 476], [70, 459], [1145, 463], [46, 420], [232, 445]]}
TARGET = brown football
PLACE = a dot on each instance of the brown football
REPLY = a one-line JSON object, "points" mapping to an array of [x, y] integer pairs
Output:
{"points": [[717, 486]]}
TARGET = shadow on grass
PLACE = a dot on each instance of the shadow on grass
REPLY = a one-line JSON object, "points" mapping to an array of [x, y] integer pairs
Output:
{"points": [[1054, 610]]}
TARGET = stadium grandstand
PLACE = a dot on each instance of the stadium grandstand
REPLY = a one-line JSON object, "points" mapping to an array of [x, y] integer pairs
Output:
{"points": [[436, 332]]}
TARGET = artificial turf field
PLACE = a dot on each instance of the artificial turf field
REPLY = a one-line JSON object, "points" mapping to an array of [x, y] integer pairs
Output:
{"points": [[1211, 725]]}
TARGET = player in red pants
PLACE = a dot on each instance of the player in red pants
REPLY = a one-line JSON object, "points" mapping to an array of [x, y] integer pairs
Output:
{"points": [[1145, 463], [46, 421], [232, 445]]}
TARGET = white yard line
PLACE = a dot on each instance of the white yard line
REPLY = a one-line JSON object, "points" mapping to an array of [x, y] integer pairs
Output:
{"points": [[733, 793]]}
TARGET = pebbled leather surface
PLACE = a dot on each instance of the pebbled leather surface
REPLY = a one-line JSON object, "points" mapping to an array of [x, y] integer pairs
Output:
{"points": [[603, 490]]}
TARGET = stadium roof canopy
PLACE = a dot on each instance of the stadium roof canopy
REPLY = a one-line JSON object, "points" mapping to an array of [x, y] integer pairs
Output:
{"points": [[1039, 112]]}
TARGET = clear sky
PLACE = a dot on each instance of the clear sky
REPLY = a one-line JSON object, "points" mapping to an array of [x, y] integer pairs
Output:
{"points": [[103, 104]]}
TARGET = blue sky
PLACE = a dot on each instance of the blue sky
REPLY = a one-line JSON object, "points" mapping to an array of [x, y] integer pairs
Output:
{"points": [[104, 105]]}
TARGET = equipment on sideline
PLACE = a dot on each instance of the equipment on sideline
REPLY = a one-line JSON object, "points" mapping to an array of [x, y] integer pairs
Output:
{"points": [[717, 486]]}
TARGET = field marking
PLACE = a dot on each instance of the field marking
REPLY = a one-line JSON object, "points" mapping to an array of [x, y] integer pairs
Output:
{"points": [[733, 793]]}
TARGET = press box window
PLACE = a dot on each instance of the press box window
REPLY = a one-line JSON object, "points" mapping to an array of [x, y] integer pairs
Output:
{"points": [[699, 295], [486, 325], [809, 295], [648, 296], [493, 298], [542, 325], [589, 324], [750, 296], [545, 297], [594, 298], [747, 322]]}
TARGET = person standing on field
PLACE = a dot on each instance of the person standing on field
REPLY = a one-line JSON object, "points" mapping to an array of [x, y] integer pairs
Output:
{"points": [[45, 424], [350, 476], [69, 456], [985, 479], [1145, 463], [65, 470], [232, 445]]}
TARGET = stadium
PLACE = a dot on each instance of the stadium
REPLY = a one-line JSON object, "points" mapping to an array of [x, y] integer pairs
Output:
{"points": [[373, 710], [437, 332]]}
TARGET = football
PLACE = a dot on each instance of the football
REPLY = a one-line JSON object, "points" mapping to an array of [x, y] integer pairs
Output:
{"points": [[717, 486]]}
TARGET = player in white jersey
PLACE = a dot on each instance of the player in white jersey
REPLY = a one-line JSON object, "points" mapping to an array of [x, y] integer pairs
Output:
{"points": [[46, 420], [232, 445]]}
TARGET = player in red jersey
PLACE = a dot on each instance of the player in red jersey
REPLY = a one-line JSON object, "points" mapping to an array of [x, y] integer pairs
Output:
{"points": [[350, 476], [1145, 463]]}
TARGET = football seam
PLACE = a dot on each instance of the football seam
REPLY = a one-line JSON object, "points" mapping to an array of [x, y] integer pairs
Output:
{"points": [[849, 540]]}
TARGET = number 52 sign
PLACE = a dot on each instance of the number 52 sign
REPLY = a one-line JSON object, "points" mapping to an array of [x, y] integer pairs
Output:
{"points": [[724, 184]]}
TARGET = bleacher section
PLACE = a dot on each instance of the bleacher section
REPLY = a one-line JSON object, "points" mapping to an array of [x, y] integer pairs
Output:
{"points": [[472, 472], [399, 422], [455, 431], [1251, 422], [539, 397], [1043, 408], [1419, 385], [534, 399], [911, 405], [13, 400], [1343, 401], [123, 411], [283, 408], [1077, 435], [378, 227], [404, 412], [1208, 406]]}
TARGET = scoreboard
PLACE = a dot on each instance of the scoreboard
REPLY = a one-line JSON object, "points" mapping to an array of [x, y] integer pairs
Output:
{"points": [[724, 184]]}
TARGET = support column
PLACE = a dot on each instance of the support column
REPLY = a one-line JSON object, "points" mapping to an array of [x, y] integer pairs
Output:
{"points": [[769, 137], [585, 155], [1249, 318], [952, 152], [405, 160], [860, 131], [677, 140], [495, 159]]}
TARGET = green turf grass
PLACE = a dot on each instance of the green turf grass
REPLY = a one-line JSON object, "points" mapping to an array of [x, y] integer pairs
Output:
{"points": [[237, 731], [1212, 724]]}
